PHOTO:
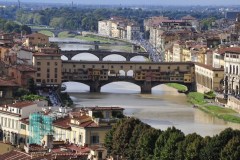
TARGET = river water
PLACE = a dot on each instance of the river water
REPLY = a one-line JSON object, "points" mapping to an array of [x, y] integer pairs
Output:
{"points": [[164, 108]]}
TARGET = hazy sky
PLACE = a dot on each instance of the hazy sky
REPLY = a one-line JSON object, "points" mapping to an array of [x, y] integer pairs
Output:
{"points": [[148, 2]]}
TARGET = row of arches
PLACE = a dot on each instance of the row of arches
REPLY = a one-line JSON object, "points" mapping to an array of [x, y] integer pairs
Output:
{"points": [[112, 57]]}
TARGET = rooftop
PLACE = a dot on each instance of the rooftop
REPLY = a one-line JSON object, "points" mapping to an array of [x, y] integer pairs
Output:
{"points": [[21, 104], [8, 82]]}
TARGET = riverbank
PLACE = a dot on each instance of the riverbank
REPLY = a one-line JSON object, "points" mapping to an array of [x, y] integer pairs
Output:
{"points": [[215, 109]]}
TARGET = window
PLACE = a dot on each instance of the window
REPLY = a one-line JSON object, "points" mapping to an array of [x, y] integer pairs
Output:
{"points": [[55, 76], [140, 67], [38, 74], [83, 66], [48, 75], [38, 69], [111, 66], [55, 80], [56, 63], [80, 138], [94, 139], [38, 63], [51, 80], [38, 80], [102, 66], [74, 66], [48, 70], [48, 63], [150, 67], [93, 66], [23, 126], [216, 75]]}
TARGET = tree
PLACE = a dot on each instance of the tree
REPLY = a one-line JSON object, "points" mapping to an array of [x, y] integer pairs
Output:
{"points": [[146, 143], [167, 144], [232, 150]]}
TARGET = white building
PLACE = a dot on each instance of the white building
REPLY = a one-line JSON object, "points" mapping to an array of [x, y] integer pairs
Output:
{"points": [[10, 115]]}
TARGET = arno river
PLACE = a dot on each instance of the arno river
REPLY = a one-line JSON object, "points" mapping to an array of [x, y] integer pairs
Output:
{"points": [[164, 108]]}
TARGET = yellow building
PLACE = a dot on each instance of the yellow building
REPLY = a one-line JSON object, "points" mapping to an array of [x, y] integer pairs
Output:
{"points": [[48, 64], [36, 39], [186, 55], [208, 78]]}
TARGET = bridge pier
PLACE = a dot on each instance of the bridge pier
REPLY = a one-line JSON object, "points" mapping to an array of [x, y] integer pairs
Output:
{"points": [[192, 87], [95, 87], [146, 88]]}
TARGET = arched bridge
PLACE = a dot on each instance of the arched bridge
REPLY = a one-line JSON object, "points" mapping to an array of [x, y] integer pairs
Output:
{"points": [[101, 54], [144, 74]]}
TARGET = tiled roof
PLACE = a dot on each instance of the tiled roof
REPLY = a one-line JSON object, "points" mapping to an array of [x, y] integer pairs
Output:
{"points": [[230, 49], [8, 82], [44, 54], [21, 104], [63, 123], [209, 67], [24, 68], [34, 34], [15, 155]]}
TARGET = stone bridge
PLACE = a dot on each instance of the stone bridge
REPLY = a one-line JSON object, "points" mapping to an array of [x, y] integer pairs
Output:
{"points": [[101, 54], [144, 74]]}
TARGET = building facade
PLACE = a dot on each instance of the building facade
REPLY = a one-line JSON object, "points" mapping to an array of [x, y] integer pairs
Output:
{"points": [[48, 64]]}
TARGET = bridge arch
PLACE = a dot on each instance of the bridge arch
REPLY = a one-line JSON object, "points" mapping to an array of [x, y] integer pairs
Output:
{"points": [[114, 57], [138, 59], [85, 56], [121, 87]]}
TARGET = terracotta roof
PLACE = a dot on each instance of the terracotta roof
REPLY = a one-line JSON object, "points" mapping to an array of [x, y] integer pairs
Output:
{"points": [[34, 34], [15, 155], [209, 67], [89, 124], [62, 122], [10, 113], [24, 68], [229, 50], [21, 104], [8, 82], [44, 54]]}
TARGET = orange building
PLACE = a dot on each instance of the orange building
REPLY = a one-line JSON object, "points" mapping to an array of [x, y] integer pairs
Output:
{"points": [[22, 74], [49, 67]]}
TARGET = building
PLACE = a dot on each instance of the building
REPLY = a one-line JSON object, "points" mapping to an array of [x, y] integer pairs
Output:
{"points": [[232, 78], [7, 87], [10, 116], [208, 78], [22, 74], [36, 39], [119, 27], [133, 31], [86, 127], [48, 64], [104, 27]]}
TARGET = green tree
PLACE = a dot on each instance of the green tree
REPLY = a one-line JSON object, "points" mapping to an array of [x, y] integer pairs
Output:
{"points": [[146, 143], [232, 150], [167, 144]]}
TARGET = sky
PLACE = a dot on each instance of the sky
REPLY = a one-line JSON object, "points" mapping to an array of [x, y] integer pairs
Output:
{"points": [[141, 2]]}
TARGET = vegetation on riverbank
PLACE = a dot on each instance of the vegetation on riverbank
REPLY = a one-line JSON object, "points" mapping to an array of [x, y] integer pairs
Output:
{"points": [[179, 87], [199, 101], [132, 139], [229, 115], [222, 113]]}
